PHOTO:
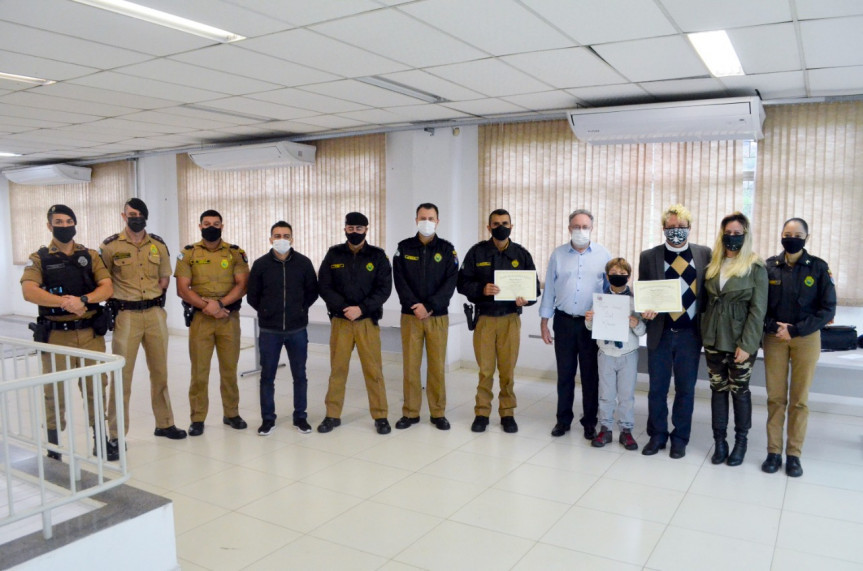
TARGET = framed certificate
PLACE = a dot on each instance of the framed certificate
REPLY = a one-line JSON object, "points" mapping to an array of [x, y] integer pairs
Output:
{"points": [[515, 283], [661, 296]]}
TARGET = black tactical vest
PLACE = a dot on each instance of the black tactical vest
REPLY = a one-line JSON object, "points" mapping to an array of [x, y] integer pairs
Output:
{"points": [[66, 275]]}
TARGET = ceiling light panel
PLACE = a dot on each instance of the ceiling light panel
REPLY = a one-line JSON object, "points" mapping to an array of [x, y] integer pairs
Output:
{"points": [[715, 50]]}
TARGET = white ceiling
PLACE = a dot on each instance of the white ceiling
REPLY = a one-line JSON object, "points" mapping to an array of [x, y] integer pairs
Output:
{"points": [[125, 86]]}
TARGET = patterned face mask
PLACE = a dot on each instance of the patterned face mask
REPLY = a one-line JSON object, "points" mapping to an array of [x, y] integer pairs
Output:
{"points": [[677, 236]]}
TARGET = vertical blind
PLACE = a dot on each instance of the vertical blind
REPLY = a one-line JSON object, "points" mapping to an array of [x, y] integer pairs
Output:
{"points": [[97, 206], [349, 174]]}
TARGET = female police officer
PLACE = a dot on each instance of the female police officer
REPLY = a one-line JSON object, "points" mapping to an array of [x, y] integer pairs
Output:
{"points": [[801, 300]]}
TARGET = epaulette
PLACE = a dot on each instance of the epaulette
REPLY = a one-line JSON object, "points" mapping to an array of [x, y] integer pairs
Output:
{"points": [[189, 247], [110, 239], [42, 250], [234, 247], [157, 238]]}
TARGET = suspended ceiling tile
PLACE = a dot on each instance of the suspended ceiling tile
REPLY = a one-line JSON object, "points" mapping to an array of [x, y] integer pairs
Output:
{"points": [[399, 37], [229, 16], [489, 77], [782, 85], [292, 127], [570, 67], [836, 42], [435, 85], [148, 87], [44, 114], [258, 108], [97, 95], [100, 26], [216, 116], [485, 107], [186, 74], [682, 89], [426, 112], [363, 93], [499, 27], [749, 44], [246, 63], [88, 134], [611, 95], [190, 123], [30, 99], [811, 9], [708, 15], [372, 116], [543, 101], [836, 81], [603, 21], [10, 86], [21, 64], [333, 122], [308, 100], [18, 123], [248, 130], [323, 53], [654, 59], [305, 13], [134, 128]]}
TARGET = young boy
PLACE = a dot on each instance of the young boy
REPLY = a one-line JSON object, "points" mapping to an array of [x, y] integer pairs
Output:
{"points": [[618, 364]]}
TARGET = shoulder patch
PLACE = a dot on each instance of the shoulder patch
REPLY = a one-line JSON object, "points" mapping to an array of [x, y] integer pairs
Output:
{"points": [[110, 239], [157, 238], [180, 256]]}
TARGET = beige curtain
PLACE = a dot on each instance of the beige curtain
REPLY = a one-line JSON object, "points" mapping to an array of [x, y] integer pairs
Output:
{"points": [[811, 167], [97, 207], [349, 174], [540, 172]]}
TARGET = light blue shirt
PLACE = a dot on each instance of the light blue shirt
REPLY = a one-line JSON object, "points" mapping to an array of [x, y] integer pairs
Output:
{"points": [[572, 278]]}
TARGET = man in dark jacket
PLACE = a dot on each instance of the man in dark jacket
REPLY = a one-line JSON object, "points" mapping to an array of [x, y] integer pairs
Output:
{"points": [[496, 339], [425, 269], [355, 281], [282, 287]]}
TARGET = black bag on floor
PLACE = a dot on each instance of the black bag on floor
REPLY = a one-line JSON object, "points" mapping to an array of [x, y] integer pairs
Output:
{"points": [[839, 338]]}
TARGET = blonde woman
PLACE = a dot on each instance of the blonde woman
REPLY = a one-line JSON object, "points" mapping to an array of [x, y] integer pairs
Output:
{"points": [[731, 328]]}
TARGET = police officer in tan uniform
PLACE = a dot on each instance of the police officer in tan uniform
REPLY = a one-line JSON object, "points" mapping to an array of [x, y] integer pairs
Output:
{"points": [[211, 279], [140, 268], [67, 281]]}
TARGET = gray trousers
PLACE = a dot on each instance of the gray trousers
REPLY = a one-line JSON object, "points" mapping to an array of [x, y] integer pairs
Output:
{"points": [[617, 376]]}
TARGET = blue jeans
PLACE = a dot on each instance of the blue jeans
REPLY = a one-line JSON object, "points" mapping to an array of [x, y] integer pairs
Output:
{"points": [[678, 352], [270, 345], [573, 346]]}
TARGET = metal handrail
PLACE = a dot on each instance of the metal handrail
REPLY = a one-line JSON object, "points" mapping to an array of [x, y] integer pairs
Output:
{"points": [[22, 423]]}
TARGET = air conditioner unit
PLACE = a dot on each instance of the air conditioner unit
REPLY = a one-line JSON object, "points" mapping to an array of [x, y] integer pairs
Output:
{"points": [[707, 120], [49, 174], [259, 156]]}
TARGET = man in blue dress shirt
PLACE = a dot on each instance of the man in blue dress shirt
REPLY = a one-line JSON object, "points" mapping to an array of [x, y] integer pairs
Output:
{"points": [[576, 271]]}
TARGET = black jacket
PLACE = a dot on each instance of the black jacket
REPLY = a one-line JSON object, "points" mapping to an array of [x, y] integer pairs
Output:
{"points": [[363, 279], [425, 273], [808, 302], [282, 292], [478, 269]]}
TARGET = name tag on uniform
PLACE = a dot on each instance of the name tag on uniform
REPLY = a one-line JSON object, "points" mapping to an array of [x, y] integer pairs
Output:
{"points": [[201, 261], [122, 255], [775, 282], [414, 258], [478, 264], [335, 266]]}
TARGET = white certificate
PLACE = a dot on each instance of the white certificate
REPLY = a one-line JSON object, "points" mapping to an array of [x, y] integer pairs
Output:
{"points": [[661, 296], [610, 317], [515, 283]]}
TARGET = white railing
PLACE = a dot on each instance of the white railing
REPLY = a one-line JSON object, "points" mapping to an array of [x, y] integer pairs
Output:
{"points": [[23, 436]]}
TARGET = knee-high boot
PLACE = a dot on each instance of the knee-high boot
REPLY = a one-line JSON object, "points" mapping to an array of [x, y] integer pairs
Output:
{"points": [[742, 400], [52, 438], [719, 408]]}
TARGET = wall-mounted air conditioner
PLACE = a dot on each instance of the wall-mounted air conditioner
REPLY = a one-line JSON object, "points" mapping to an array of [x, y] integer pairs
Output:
{"points": [[49, 174], [259, 156], [707, 120]]}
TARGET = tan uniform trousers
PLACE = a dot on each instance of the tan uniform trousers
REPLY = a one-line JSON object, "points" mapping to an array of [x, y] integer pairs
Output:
{"points": [[149, 328], [205, 334], [81, 339], [433, 331], [495, 342], [802, 353], [366, 336]]}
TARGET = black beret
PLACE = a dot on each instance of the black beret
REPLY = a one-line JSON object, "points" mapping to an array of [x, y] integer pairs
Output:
{"points": [[62, 209], [356, 219], [138, 204]]}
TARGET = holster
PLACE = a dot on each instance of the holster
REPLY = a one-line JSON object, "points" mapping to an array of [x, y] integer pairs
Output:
{"points": [[188, 313], [103, 321], [41, 332], [472, 315]]}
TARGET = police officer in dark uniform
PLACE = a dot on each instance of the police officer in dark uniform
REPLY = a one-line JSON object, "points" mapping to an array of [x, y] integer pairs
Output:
{"points": [[425, 270], [801, 299], [355, 280], [496, 337], [68, 281]]}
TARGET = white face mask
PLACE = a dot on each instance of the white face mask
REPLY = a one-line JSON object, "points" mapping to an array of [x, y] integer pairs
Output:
{"points": [[282, 246], [426, 227], [580, 238]]}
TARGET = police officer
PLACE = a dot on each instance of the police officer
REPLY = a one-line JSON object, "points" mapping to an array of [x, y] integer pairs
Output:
{"points": [[801, 300], [211, 279], [67, 281], [425, 270], [355, 280], [496, 337], [140, 268]]}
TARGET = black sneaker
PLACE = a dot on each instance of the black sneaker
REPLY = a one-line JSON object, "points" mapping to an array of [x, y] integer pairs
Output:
{"points": [[112, 450], [267, 428], [302, 426], [171, 432], [405, 422], [382, 425], [235, 422], [328, 424], [196, 429], [440, 422], [479, 424]]}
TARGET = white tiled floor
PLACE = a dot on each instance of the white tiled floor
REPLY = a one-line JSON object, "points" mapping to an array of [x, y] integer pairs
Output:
{"points": [[421, 498]]}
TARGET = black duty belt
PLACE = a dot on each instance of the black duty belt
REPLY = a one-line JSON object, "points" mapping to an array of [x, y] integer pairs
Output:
{"points": [[73, 325], [123, 305]]}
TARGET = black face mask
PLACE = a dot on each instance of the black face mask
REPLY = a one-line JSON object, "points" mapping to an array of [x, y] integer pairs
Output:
{"points": [[618, 280], [355, 238], [136, 223], [211, 234], [500, 233], [733, 243], [63, 234], [793, 245]]}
